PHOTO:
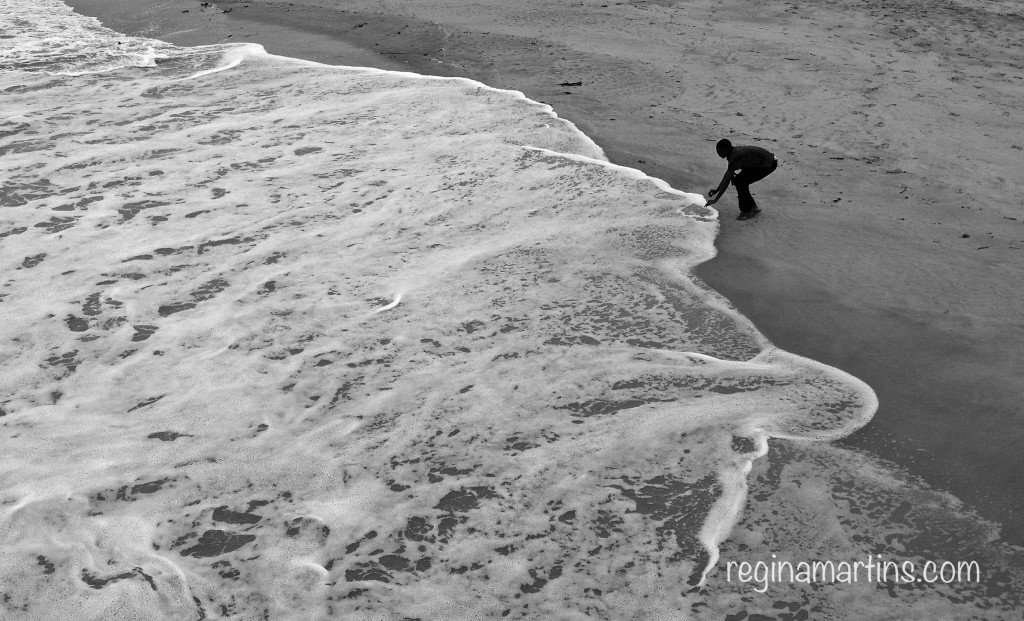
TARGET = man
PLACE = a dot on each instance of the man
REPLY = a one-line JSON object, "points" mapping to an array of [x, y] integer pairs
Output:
{"points": [[746, 165]]}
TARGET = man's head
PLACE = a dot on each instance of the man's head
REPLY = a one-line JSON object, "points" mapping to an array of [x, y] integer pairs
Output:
{"points": [[723, 147]]}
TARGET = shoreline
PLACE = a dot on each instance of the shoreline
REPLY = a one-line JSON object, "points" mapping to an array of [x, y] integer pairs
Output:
{"points": [[938, 343]]}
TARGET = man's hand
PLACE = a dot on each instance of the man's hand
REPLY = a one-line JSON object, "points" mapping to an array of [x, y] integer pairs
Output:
{"points": [[711, 201], [712, 192]]}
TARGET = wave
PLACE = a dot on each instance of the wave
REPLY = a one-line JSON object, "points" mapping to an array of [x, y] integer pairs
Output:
{"points": [[301, 340]]}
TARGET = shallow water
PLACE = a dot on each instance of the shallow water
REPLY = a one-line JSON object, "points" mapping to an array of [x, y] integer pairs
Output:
{"points": [[293, 340]]}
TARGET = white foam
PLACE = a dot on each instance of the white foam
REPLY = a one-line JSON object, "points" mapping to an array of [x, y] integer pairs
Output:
{"points": [[393, 304], [259, 308]]}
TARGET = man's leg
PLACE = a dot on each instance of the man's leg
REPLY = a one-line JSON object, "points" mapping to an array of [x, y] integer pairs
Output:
{"points": [[746, 201], [742, 182]]}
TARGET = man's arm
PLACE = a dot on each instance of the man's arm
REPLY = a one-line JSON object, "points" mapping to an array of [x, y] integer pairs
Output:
{"points": [[717, 192]]}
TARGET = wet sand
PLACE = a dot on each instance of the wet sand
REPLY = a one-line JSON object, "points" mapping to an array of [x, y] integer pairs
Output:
{"points": [[891, 244]]}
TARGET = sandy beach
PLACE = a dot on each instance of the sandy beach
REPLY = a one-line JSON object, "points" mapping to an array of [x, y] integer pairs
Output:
{"points": [[891, 243]]}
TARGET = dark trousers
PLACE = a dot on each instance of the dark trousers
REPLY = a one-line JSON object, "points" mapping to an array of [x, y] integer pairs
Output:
{"points": [[743, 180]]}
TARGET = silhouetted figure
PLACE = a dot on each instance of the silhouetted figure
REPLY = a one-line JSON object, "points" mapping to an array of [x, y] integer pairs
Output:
{"points": [[746, 165]]}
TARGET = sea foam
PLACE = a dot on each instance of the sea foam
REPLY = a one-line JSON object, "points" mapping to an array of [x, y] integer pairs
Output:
{"points": [[304, 341]]}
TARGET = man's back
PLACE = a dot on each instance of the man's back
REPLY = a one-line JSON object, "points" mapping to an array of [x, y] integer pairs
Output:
{"points": [[744, 157]]}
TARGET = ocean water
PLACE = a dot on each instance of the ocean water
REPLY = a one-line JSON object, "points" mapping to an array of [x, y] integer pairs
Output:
{"points": [[283, 340]]}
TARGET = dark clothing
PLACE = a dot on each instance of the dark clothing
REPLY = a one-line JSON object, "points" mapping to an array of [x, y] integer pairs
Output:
{"points": [[742, 158], [750, 164]]}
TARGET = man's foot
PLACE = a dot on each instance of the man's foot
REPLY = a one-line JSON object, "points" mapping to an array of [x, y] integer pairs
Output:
{"points": [[746, 215]]}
